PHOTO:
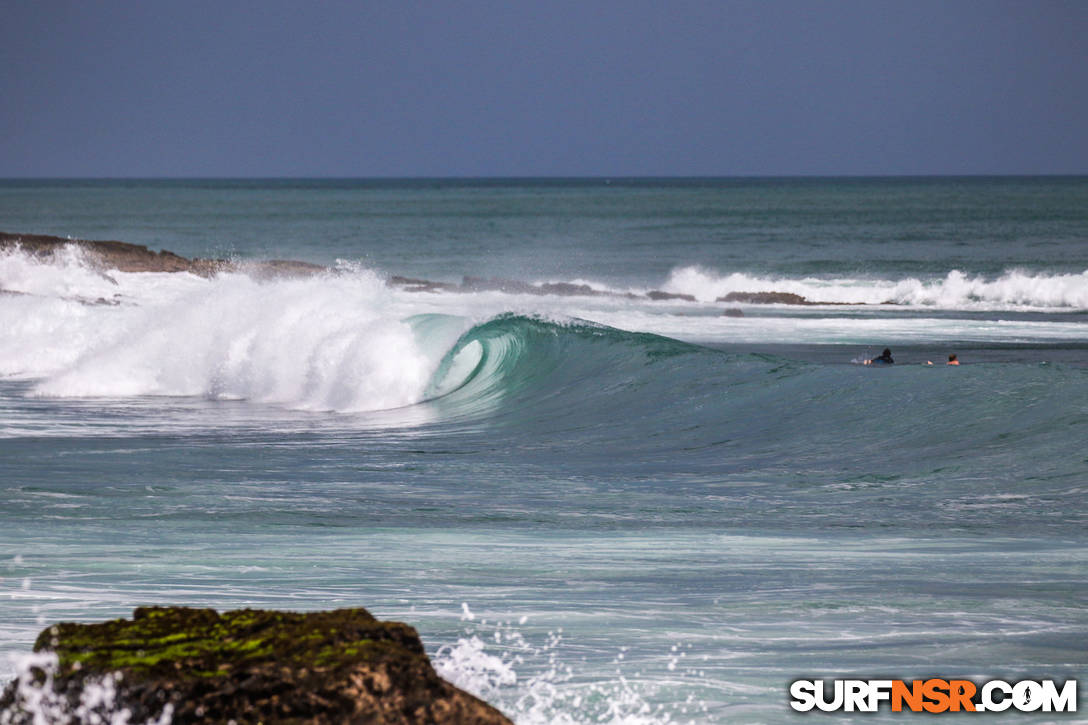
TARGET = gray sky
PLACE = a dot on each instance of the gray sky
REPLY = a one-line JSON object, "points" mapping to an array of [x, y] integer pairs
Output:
{"points": [[518, 88]]}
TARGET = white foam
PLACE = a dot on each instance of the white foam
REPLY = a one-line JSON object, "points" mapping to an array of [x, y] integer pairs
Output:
{"points": [[327, 343], [67, 275]]}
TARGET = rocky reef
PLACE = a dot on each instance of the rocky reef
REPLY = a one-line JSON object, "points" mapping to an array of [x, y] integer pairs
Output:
{"points": [[125, 257], [183, 665]]}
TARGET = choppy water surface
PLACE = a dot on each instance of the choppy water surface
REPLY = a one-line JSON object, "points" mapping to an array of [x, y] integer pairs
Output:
{"points": [[594, 508]]}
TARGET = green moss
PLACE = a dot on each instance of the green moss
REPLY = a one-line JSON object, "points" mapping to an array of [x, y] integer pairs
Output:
{"points": [[201, 643]]}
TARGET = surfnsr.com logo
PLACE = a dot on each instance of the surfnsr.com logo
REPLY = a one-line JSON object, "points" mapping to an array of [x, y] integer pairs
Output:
{"points": [[933, 695]]}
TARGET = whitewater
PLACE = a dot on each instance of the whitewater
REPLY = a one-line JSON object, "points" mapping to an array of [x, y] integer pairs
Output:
{"points": [[595, 505]]}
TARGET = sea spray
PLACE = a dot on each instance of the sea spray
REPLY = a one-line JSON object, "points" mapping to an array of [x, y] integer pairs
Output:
{"points": [[69, 273], [35, 700], [321, 344], [534, 683]]}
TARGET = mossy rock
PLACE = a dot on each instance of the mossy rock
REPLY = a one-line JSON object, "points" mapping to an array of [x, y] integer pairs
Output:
{"points": [[256, 666]]}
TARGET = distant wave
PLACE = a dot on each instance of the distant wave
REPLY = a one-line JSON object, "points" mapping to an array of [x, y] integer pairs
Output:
{"points": [[956, 290], [72, 272]]}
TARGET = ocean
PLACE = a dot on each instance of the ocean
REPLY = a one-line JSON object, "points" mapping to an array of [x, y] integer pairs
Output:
{"points": [[595, 507]]}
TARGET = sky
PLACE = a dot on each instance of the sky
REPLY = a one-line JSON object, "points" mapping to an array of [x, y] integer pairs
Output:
{"points": [[374, 88]]}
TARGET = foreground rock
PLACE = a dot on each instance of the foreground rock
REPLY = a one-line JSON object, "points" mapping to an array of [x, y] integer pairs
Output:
{"points": [[197, 666]]}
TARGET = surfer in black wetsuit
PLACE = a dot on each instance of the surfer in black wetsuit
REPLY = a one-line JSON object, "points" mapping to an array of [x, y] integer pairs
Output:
{"points": [[884, 359]]}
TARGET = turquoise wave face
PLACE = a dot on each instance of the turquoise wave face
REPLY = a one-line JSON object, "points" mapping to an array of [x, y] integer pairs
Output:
{"points": [[925, 446], [529, 368]]}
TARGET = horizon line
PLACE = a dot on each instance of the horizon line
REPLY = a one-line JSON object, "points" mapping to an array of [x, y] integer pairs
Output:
{"points": [[551, 177]]}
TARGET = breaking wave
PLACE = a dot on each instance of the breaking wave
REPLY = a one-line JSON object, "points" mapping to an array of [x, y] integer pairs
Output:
{"points": [[348, 342], [956, 290]]}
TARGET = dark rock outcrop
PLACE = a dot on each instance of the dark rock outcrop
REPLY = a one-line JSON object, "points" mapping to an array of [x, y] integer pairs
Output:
{"points": [[568, 289], [658, 296], [254, 666], [779, 298], [766, 298]]}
